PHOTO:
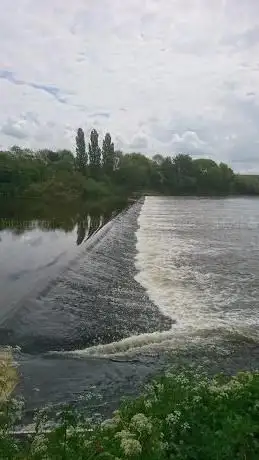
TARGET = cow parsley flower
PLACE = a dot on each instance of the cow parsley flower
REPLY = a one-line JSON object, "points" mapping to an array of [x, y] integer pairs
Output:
{"points": [[131, 447], [148, 404], [39, 445], [174, 417], [110, 423], [141, 423], [124, 434]]}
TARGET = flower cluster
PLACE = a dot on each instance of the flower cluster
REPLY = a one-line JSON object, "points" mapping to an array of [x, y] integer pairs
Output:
{"points": [[174, 417], [128, 443], [141, 424]]}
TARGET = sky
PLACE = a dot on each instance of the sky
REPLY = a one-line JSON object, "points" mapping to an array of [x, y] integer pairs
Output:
{"points": [[162, 76]]}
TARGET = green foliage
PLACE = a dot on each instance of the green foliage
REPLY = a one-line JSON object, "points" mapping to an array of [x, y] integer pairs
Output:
{"points": [[57, 175], [182, 415], [108, 154], [81, 155], [247, 184], [94, 154]]}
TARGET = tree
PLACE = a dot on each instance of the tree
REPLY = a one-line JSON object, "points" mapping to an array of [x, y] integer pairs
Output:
{"points": [[183, 164], [185, 181], [134, 172], [81, 155], [15, 149], [94, 153], [48, 156], [158, 159], [108, 154]]}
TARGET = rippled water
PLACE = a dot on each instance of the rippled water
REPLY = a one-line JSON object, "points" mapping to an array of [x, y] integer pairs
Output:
{"points": [[198, 260], [169, 280]]}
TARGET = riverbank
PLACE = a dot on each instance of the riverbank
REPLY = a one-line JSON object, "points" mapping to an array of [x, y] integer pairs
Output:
{"points": [[182, 415]]}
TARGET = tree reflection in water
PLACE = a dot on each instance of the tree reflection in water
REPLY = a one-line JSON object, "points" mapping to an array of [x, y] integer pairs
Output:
{"points": [[85, 222]]}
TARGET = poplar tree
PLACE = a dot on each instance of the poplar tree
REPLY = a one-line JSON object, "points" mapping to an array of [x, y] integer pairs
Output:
{"points": [[94, 153], [108, 154], [81, 154]]}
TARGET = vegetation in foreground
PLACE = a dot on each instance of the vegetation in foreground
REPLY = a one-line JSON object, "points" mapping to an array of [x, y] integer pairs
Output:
{"points": [[93, 173], [181, 415]]}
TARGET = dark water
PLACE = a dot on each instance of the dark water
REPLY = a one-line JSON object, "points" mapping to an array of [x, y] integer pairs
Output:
{"points": [[99, 307]]}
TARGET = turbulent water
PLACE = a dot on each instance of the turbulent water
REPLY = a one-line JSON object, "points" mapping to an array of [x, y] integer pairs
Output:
{"points": [[198, 260], [169, 280]]}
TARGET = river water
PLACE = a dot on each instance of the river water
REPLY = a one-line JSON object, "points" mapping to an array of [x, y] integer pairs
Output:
{"points": [[168, 281]]}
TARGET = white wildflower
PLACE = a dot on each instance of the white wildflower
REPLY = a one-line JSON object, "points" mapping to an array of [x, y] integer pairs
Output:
{"points": [[159, 387], [174, 417], [148, 404], [256, 406], [117, 416], [141, 423], [182, 379], [170, 418], [39, 445], [110, 423], [185, 426], [87, 444], [131, 447], [169, 375], [162, 446], [149, 387], [124, 434]]}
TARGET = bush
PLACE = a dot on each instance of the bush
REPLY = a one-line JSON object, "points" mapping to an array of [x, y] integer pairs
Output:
{"points": [[181, 415]]}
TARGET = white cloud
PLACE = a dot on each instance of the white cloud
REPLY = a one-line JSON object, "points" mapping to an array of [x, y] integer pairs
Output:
{"points": [[159, 75], [14, 129], [139, 142], [189, 140]]}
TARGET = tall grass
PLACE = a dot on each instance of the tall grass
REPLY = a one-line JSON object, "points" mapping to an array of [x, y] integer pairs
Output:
{"points": [[180, 415]]}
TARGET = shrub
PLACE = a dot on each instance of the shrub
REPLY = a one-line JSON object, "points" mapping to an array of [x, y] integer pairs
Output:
{"points": [[181, 415]]}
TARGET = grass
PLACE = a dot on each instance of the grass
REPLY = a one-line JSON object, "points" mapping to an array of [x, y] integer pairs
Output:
{"points": [[180, 416]]}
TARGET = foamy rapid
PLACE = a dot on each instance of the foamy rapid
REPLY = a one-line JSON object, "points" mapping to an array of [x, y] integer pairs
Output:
{"points": [[183, 268], [197, 260]]}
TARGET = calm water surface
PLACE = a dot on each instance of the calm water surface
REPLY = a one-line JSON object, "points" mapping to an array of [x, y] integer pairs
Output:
{"points": [[167, 281]]}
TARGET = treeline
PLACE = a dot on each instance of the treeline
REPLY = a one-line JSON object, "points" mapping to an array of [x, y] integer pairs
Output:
{"points": [[93, 172]]}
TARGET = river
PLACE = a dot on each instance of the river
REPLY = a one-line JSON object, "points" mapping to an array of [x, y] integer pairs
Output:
{"points": [[101, 306]]}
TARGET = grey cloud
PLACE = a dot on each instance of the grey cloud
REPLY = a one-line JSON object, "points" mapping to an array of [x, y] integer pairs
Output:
{"points": [[13, 129], [248, 108], [162, 133], [8, 75], [245, 156], [100, 114], [109, 54], [31, 117], [244, 40], [139, 142], [119, 143], [51, 90]]}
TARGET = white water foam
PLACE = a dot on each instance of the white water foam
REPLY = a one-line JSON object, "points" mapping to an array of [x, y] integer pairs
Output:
{"points": [[164, 342], [193, 271], [170, 268]]}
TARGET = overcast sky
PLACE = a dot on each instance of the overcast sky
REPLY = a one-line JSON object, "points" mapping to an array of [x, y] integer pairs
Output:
{"points": [[161, 75]]}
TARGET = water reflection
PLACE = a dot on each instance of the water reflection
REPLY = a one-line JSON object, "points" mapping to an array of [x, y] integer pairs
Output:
{"points": [[83, 222], [88, 226]]}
